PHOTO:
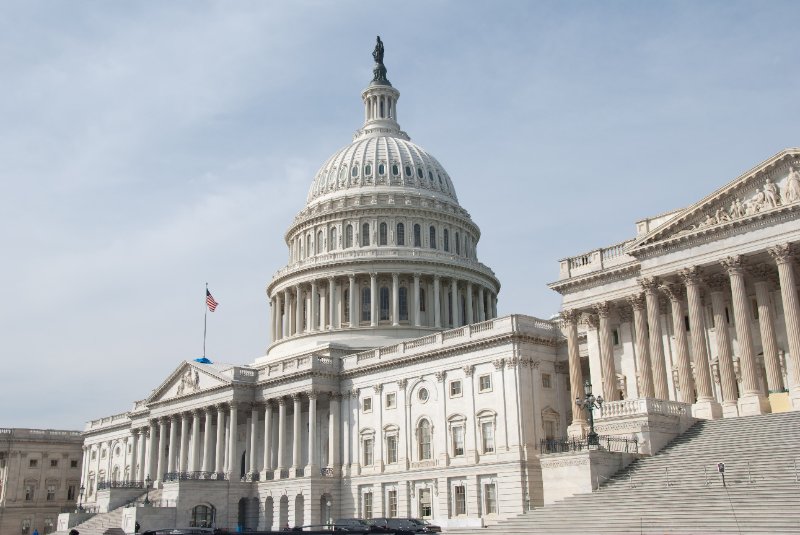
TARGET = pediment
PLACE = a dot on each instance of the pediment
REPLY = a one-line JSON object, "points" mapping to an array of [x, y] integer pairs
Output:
{"points": [[187, 379], [770, 187]]}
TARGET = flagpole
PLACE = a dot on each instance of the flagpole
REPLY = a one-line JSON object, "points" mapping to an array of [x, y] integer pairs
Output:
{"points": [[205, 320]]}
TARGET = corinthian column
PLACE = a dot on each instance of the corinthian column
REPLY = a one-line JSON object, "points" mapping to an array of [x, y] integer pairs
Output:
{"points": [[454, 308], [286, 321], [396, 299], [751, 401], [331, 303], [660, 385], [685, 381], [373, 299], [312, 322], [297, 438], [312, 433], [762, 276], [417, 321], [267, 439], [784, 256], [220, 445], [570, 319], [174, 443], [717, 285], [298, 311], [208, 452], [437, 309], [281, 433], [468, 297], [194, 465], [638, 304], [610, 390], [233, 440], [355, 313]]}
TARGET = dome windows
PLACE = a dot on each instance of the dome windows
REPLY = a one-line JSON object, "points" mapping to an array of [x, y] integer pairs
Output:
{"points": [[348, 237], [401, 234], [365, 235], [383, 238], [458, 245], [408, 170], [332, 244], [367, 170], [432, 236], [417, 236], [420, 174], [446, 240], [381, 169], [395, 169], [354, 172], [430, 176]]}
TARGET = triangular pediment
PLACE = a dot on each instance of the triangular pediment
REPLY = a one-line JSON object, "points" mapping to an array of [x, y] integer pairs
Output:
{"points": [[770, 187], [187, 379]]}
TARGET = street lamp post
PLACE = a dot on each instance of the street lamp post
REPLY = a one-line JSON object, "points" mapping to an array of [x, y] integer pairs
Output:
{"points": [[81, 490], [147, 482], [590, 402]]}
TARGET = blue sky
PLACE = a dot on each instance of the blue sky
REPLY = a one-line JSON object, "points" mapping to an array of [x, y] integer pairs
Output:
{"points": [[149, 147]]}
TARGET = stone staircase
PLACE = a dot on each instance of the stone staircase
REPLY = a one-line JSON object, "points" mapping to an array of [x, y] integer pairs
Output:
{"points": [[109, 523], [680, 491]]}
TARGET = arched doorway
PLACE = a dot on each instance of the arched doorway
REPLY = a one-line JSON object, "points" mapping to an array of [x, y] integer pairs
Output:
{"points": [[299, 505], [202, 516], [247, 518], [268, 514], [283, 513], [326, 509]]}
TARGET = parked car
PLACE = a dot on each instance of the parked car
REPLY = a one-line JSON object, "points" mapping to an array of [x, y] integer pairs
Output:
{"points": [[396, 525], [356, 525], [429, 528], [181, 531]]}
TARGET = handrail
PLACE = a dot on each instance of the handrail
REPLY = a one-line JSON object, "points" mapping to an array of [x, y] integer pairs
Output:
{"points": [[604, 443]]}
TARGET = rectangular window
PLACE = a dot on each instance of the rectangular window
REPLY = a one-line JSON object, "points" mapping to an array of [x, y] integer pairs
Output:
{"points": [[367, 505], [485, 383], [487, 435], [366, 405], [403, 303], [73, 464], [391, 400], [460, 499], [384, 298], [53, 463], [455, 389], [71, 492], [391, 449], [490, 498], [615, 337], [458, 441], [33, 463], [754, 306], [549, 429], [391, 506], [368, 452], [425, 508], [51, 493], [366, 305], [546, 380], [29, 493], [26, 526], [49, 526], [422, 299]]}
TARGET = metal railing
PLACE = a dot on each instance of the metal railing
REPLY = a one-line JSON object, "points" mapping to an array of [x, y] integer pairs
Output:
{"points": [[104, 485], [604, 443], [194, 476], [153, 503]]}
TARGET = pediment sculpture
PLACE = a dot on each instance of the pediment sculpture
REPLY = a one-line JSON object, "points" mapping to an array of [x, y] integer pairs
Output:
{"points": [[190, 382]]}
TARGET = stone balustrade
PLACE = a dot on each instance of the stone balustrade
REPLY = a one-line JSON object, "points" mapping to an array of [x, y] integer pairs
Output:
{"points": [[642, 406], [596, 260]]}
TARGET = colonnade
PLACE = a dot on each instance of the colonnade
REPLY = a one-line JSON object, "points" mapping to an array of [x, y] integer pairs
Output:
{"points": [[727, 281], [334, 303]]}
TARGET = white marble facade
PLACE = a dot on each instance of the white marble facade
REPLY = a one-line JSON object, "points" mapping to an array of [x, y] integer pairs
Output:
{"points": [[391, 387]]}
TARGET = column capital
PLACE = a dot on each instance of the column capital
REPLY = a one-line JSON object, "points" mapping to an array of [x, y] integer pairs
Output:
{"points": [[674, 291], [209, 409], [649, 284], [437, 277], [402, 383], [469, 370], [592, 320], [395, 275], [312, 394], [354, 393], [783, 253], [499, 364], [637, 301], [693, 275], [717, 283], [352, 277], [603, 309], [196, 413], [625, 314], [763, 273], [297, 397], [570, 316], [734, 264], [335, 396], [221, 406], [282, 401], [440, 375]]}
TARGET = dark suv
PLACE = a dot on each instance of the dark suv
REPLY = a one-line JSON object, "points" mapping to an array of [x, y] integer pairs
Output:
{"points": [[356, 525], [397, 525], [428, 527]]}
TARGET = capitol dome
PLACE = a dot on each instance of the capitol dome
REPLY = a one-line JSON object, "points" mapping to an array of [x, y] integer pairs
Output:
{"points": [[382, 250]]}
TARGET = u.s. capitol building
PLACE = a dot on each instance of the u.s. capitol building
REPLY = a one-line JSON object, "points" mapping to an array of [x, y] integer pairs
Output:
{"points": [[391, 387]]}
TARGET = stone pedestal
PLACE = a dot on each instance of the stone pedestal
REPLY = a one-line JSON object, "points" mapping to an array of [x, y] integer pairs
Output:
{"points": [[730, 410], [707, 410], [780, 402], [568, 474], [753, 405], [653, 422]]}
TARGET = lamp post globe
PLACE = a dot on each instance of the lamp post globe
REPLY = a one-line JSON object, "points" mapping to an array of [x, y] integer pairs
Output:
{"points": [[589, 403]]}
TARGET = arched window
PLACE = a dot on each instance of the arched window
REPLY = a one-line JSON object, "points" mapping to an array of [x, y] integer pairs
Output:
{"points": [[417, 236], [320, 241], [432, 232], [403, 301], [346, 298], [366, 305], [381, 169], [383, 234], [424, 440], [446, 240], [422, 299], [348, 236], [408, 170], [401, 234], [458, 245], [309, 250], [367, 170], [384, 297], [202, 516], [354, 171], [395, 169], [332, 243], [364, 234]]}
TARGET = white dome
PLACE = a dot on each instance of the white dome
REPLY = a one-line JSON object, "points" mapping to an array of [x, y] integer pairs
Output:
{"points": [[385, 162]]}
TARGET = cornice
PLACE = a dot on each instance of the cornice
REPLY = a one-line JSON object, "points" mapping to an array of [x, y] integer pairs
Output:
{"points": [[596, 278]]}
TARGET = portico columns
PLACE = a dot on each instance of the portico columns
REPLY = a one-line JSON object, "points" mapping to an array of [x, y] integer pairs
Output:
{"points": [[373, 299], [717, 285], [281, 433], [333, 430], [134, 455], [685, 379], [454, 303], [645, 385], [469, 320], [769, 344], [331, 302], [174, 443], [151, 470], [233, 434], [396, 299], [784, 256], [570, 318], [751, 401], [312, 433], [298, 311], [437, 309], [660, 386], [481, 305], [267, 438], [278, 312], [207, 441], [253, 440], [416, 300], [183, 459], [143, 460], [297, 434], [354, 314], [162, 448], [610, 390], [220, 445], [195, 462], [312, 322]]}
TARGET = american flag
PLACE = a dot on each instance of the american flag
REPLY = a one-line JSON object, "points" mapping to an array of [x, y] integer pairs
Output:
{"points": [[212, 305]]}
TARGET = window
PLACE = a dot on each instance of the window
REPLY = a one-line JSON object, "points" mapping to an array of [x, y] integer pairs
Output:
{"points": [[423, 395], [391, 400], [33, 463], [458, 244], [422, 299], [485, 383], [549, 429], [403, 302], [73, 463], [348, 236], [490, 498], [383, 234], [367, 170], [432, 236], [366, 305], [455, 389], [202, 516], [309, 250], [458, 441], [408, 170], [346, 299], [381, 169], [401, 234], [51, 492], [71, 493], [320, 242], [419, 173], [425, 509], [615, 337], [26, 526], [391, 505], [417, 236], [384, 298], [53, 463], [367, 505], [94, 455], [368, 452], [424, 440], [354, 171], [30, 493], [487, 436], [332, 242], [460, 499], [395, 169], [364, 234], [49, 525], [446, 240], [366, 405], [546, 380], [391, 449]]}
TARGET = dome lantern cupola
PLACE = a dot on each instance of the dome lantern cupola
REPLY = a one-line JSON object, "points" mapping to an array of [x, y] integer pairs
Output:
{"points": [[380, 102]]}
